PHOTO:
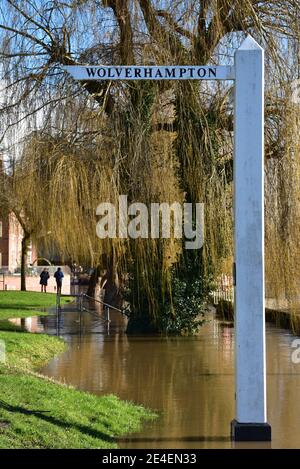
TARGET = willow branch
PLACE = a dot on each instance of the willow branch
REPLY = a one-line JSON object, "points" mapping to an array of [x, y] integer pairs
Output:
{"points": [[122, 14], [174, 25], [27, 36], [29, 18]]}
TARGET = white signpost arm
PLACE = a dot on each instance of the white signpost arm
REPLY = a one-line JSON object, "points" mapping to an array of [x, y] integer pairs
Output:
{"points": [[250, 369], [143, 72]]}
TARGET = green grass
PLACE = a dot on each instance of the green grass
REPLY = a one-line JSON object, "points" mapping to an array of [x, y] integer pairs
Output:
{"points": [[27, 351], [18, 304], [35, 413], [38, 413]]}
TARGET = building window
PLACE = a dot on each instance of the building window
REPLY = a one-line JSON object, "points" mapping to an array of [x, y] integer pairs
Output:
{"points": [[0, 258], [0, 229]]}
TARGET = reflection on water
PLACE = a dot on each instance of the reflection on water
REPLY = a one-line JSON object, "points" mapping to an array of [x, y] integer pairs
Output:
{"points": [[189, 380]]}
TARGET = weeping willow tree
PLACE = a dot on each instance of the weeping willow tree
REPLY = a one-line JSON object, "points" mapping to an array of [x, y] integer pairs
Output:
{"points": [[282, 205], [154, 141]]}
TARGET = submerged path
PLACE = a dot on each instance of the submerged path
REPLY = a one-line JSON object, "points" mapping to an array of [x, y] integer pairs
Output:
{"points": [[190, 380]]}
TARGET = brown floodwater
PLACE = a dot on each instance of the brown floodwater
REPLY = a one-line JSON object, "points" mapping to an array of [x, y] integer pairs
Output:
{"points": [[188, 380]]}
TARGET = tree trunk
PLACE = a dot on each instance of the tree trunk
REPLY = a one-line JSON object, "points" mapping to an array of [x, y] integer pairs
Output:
{"points": [[93, 282], [142, 324], [25, 245]]}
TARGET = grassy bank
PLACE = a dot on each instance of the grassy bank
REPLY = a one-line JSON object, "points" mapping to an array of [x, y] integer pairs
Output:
{"points": [[17, 304], [38, 413], [289, 319]]}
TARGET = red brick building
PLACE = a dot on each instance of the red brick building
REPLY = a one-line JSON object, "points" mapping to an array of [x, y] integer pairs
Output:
{"points": [[10, 244]]}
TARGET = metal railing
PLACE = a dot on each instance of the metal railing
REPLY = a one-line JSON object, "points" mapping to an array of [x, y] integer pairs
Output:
{"points": [[103, 303], [107, 306], [80, 299]]}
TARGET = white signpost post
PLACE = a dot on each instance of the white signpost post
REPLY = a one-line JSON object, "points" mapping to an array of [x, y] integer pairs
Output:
{"points": [[250, 356], [248, 73]]}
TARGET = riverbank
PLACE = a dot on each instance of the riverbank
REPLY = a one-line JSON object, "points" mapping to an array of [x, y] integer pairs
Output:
{"points": [[36, 412], [281, 318]]}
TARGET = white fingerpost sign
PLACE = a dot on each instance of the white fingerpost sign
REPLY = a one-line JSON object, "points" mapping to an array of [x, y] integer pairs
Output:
{"points": [[134, 72], [250, 370], [250, 423]]}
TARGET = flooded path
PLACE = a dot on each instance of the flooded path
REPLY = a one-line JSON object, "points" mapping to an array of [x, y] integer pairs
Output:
{"points": [[189, 380]]}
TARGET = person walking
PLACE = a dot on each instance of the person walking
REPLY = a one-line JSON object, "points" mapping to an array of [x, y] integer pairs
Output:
{"points": [[44, 277], [59, 275]]}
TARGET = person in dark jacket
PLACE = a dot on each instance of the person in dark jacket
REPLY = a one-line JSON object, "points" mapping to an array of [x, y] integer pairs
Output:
{"points": [[44, 277], [59, 275]]}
